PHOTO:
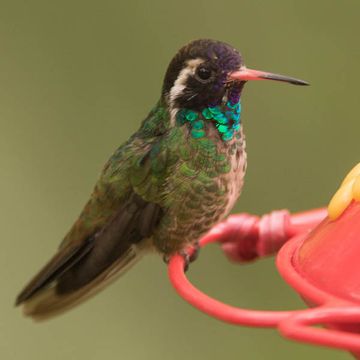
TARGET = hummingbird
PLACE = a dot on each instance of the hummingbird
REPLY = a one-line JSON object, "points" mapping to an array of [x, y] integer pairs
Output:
{"points": [[176, 177]]}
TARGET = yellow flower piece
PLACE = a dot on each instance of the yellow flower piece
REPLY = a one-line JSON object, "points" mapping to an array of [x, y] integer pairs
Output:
{"points": [[355, 172], [349, 190], [356, 189]]}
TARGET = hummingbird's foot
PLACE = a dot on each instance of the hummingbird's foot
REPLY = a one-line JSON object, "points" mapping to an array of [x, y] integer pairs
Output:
{"points": [[184, 254], [187, 259], [196, 251], [166, 258]]}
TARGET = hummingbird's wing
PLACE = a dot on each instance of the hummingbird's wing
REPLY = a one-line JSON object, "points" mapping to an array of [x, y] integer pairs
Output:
{"points": [[115, 227], [108, 238], [69, 279], [63, 260]]}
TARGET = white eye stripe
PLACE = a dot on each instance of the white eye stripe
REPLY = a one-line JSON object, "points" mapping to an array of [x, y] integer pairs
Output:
{"points": [[180, 83]]}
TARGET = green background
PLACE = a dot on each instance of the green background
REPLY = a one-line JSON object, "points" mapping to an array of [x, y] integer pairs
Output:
{"points": [[76, 79]]}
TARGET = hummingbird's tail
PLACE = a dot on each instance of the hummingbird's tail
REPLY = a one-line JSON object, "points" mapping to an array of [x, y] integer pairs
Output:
{"points": [[49, 302], [83, 266]]}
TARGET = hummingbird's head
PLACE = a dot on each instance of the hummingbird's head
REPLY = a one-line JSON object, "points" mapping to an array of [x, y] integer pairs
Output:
{"points": [[208, 72]]}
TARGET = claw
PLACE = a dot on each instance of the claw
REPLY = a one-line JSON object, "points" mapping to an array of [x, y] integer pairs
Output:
{"points": [[184, 254], [166, 259], [196, 251], [187, 259]]}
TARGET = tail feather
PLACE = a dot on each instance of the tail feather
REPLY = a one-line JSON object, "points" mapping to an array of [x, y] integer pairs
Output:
{"points": [[61, 262], [50, 303], [85, 265]]}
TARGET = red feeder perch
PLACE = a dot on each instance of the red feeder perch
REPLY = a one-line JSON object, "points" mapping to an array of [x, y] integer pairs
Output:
{"points": [[319, 257]]}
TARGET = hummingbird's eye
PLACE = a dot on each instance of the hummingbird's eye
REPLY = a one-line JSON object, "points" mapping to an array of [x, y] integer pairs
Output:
{"points": [[203, 73]]}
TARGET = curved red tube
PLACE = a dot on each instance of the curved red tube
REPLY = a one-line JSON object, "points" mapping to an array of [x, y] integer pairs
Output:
{"points": [[244, 237], [215, 308]]}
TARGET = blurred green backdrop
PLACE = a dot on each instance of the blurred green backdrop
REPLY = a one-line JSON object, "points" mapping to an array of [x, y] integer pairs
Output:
{"points": [[76, 79]]}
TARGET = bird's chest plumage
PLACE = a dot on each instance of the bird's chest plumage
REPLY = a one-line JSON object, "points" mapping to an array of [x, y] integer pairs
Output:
{"points": [[202, 188], [235, 177]]}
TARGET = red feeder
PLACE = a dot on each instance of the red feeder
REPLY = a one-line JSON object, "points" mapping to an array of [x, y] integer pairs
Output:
{"points": [[320, 260]]}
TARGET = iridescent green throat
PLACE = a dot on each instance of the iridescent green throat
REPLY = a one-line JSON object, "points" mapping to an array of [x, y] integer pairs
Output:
{"points": [[226, 119]]}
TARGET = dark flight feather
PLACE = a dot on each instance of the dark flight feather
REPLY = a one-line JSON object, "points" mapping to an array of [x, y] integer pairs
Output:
{"points": [[60, 263], [74, 268]]}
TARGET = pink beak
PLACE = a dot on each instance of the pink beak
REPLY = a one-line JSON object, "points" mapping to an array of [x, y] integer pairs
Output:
{"points": [[245, 74]]}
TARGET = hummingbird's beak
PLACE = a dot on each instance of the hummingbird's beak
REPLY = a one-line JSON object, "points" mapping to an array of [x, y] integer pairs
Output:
{"points": [[245, 74]]}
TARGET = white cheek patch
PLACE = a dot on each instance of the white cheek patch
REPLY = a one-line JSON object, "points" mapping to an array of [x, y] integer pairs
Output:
{"points": [[180, 84]]}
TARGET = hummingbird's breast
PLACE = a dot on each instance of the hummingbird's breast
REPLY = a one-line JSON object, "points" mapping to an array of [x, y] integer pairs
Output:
{"points": [[202, 186], [235, 177]]}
